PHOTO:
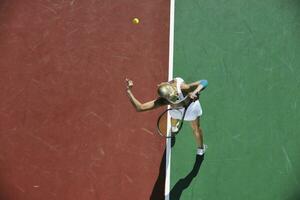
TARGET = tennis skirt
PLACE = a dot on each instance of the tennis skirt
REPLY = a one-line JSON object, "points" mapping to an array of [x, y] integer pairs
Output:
{"points": [[193, 111]]}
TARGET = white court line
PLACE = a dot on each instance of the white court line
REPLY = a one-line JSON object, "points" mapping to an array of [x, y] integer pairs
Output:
{"points": [[170, 77]]}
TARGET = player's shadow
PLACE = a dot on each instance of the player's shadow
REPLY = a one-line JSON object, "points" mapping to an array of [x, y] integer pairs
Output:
{"points": [[158, 191], [185, 182]]}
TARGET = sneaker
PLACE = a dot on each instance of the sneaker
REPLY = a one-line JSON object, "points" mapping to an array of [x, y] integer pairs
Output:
{"points": [[202, 151], [174, 129]]}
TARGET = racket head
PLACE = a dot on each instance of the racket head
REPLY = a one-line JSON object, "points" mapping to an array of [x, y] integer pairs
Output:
{"points": [[173, 117]]}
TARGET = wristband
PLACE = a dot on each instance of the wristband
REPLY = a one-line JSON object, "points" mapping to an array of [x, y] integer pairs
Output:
{"points": [[204, 83]]}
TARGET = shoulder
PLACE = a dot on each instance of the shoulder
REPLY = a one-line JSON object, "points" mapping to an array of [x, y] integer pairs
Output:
{"points": [[179, 80], [181, 83]]}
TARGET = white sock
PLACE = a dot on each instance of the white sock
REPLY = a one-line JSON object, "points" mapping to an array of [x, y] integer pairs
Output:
{"points": [[201, 151]]}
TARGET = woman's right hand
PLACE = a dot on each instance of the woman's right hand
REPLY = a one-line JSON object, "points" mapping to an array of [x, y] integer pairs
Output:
{"points": [[192, 96]]}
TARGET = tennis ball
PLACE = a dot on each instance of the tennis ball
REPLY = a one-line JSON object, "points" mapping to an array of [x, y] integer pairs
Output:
{"points": [[135, 20]]}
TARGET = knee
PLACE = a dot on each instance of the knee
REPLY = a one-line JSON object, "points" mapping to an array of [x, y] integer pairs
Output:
{"points": [[197, 130]]}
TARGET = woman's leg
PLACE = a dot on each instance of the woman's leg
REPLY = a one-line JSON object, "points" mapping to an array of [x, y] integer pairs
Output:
{"points": [[174, 121], [198, 133], [174, 124]]}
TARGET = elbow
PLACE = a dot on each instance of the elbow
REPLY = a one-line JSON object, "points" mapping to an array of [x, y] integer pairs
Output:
{"points": [[142, 108], [139, 109]]}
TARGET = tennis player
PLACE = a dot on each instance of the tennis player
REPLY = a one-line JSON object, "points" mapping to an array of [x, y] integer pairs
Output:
{"points": [[171, 91]]}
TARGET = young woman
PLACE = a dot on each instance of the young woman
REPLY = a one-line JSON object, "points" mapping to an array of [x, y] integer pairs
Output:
{"points": [[169, 92]]}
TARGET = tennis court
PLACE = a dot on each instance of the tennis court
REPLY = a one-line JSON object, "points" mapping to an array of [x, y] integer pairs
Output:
{"points": [[248, 52], [69, 132]]}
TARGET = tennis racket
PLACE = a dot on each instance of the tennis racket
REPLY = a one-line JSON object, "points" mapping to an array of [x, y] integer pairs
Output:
{"points": [[174, 116]]}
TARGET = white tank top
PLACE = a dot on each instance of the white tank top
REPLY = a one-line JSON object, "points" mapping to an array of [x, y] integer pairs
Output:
{"points": [[179, 81]]}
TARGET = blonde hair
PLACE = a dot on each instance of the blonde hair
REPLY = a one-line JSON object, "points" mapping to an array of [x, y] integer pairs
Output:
{"points": [[167, 91]]}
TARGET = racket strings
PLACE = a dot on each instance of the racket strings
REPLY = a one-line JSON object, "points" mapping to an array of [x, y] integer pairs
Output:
{"points": [[172, 117], [162, 124]]}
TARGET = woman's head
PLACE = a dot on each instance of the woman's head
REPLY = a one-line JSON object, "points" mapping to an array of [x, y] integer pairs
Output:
{"points": [[167, 91]]}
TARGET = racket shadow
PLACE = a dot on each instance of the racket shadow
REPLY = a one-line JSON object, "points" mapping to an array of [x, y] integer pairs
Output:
{"points": [[185, 182]]}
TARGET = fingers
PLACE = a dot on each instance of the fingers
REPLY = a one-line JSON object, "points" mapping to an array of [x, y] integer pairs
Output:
{"points": [[129, 83], [128, 80]]}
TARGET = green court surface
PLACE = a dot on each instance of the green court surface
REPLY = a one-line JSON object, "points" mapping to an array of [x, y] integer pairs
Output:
{"points": [[249, 52]]}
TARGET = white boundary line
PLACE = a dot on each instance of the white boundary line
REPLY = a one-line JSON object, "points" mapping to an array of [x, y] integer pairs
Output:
{"points": [[170, 77]]}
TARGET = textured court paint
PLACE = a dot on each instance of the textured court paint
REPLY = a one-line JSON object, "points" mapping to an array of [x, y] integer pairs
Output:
{"points": [[249, 52], [67, 129]]}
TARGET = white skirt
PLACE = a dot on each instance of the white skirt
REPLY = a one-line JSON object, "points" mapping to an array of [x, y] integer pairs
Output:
{"points": [[193, 111]]}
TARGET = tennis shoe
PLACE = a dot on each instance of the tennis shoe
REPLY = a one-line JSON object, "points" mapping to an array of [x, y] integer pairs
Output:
{"points": [[174, 129], [202, 151]]}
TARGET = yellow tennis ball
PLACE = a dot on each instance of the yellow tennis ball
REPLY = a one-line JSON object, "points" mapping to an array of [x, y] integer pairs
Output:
{"points": [[135, 20]]}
